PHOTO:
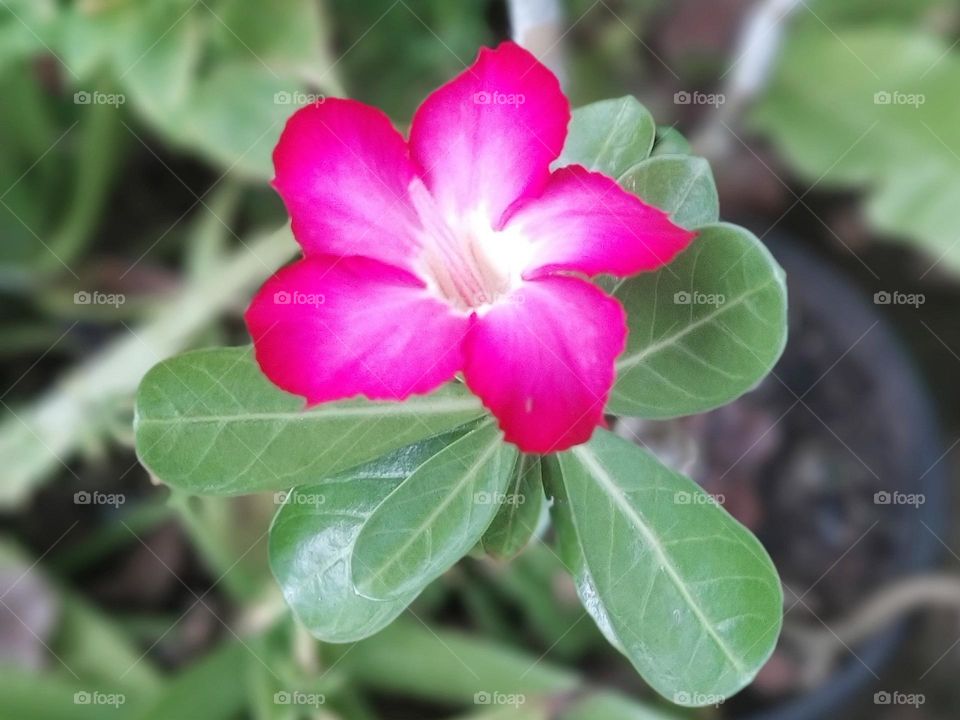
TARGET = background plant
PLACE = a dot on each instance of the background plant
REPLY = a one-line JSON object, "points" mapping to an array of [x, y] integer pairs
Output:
{"points": [[140, 200]]}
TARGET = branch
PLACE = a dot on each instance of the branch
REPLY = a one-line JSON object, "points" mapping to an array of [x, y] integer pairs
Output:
{"points": [[756, 53], [34, 440], [536, 25], [821, 646]]}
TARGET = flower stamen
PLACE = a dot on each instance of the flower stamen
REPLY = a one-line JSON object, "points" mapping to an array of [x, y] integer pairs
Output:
{"points": [[457, 259]]}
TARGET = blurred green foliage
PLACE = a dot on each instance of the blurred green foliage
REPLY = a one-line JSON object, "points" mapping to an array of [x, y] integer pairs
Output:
{"points": [[206, 87], [135, 138], [865, 96], [437, 40]]}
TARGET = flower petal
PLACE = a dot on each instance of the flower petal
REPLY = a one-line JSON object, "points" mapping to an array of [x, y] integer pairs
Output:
{"points": [[343, 172], [542, 361], [585, 222], [328, 328], [487, 137]]}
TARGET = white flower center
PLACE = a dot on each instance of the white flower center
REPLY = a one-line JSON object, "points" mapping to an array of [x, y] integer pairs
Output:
{"points": [[464, 260]]}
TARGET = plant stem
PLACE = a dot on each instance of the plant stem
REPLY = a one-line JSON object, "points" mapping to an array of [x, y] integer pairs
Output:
{"points": [[36, 440], [536, 25], [99, 146], [883, 608]]}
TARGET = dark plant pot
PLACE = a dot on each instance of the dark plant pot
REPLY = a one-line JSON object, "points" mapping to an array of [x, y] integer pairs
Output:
{"points": [[806, 487], [909, 458]]}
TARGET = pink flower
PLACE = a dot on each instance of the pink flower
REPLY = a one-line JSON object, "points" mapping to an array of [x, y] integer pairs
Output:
{"points": [[456, 250]]}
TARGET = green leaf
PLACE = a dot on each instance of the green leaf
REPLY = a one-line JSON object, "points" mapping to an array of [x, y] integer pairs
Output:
{"points": [[704, 329], [680, 185], [26, 28], [157, 60], [874, 108], [88, 36], [286, 36], [494, 668], [519, 513], [680, 587], [861, 12], [609, 136], [669, 141], [434, 517], [219, 82], [313, 536], [237, 115], [209, 422], [26, 693], [206, 689]]}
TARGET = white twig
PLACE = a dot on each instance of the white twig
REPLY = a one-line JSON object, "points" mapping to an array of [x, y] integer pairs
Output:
{"points": [[757, 50], [46, 433], [537, 26], [821, 645]]}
